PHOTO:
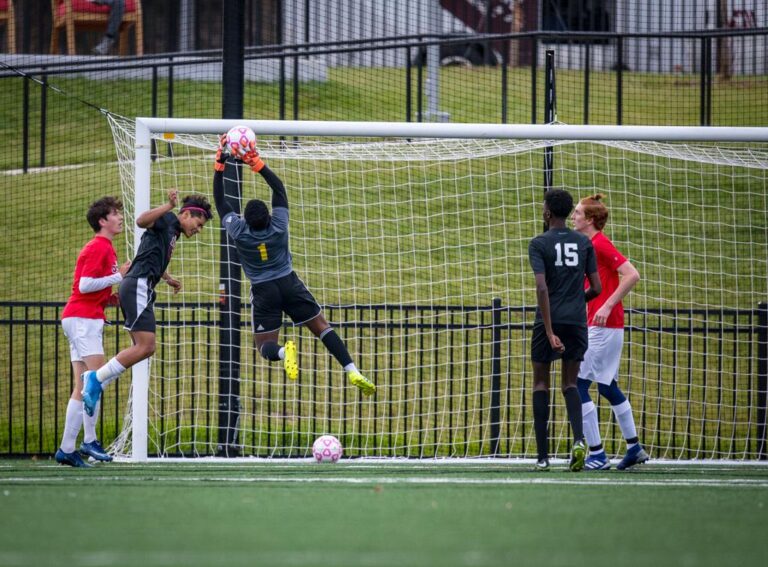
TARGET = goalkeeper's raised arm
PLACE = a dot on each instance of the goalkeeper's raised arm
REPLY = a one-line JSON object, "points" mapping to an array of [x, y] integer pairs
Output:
{"points": [[257, 165]]}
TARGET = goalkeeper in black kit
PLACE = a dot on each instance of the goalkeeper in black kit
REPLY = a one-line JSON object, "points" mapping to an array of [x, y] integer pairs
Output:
{"points": [[261, 240]]}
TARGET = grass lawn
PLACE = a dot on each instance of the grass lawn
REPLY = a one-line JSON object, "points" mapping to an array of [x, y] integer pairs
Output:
{"points": [[362, 513], [454, 233]]}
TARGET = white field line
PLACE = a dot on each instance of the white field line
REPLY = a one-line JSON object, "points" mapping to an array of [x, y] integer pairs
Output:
{"points": [[611, 480], [48, 169], [368, 462], [286, 558]]}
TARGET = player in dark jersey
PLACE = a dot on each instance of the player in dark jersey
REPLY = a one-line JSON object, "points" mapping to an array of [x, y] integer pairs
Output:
{"points": [[137, 290], [560, 259], [261, 240]]}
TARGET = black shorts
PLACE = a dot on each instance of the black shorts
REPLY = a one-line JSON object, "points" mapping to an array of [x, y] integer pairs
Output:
{"points": [[137, 302], [289, 295], [573, 337]]}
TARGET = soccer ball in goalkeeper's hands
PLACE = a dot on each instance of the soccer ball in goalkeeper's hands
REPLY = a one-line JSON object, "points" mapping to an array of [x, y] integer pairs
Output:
{"points": [[240, 140], [327, 449]]}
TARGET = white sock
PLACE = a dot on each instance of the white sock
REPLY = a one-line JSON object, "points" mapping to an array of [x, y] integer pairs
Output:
{"points": [[351, 367], [623, 413], [591, 426], [109, 371], [72, 424], [89, 423]]}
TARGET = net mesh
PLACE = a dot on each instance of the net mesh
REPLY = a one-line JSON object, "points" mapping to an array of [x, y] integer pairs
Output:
{"points": [[417, 251]]}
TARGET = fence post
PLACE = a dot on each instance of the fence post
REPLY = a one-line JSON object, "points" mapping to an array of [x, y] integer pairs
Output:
{"points": [[230, 284], [408, 86], [496, 376], [703, 83], [762, 379], [587, 63], [43, 117], [534, 73], [25, 126], [619, 80]]}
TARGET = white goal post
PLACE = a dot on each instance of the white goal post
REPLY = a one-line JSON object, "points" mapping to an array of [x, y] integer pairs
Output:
{"points": [[413, 237]]}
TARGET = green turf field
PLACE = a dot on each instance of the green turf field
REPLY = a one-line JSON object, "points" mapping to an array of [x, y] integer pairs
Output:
{"points": [[355, 513]]}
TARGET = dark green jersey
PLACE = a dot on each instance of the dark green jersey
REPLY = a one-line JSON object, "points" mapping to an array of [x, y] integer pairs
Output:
{"points": [[564, 256]]}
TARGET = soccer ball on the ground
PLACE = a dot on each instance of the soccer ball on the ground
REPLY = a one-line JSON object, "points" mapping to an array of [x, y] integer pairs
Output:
{"points": [[327, 449], [239, 139]]}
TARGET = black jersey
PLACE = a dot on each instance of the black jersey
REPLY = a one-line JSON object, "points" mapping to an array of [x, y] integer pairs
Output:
{"points": [[564, 256], [156, 249]]}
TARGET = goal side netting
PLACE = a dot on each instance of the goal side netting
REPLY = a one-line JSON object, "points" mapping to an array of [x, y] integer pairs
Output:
{"points": [[414, 240]]}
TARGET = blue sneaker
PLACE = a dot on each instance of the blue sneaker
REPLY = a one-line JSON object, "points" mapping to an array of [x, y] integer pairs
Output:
{"points": [[91, 391], [635, 456], [578, 452], [72, 459], [95, 450], [598, 462]]}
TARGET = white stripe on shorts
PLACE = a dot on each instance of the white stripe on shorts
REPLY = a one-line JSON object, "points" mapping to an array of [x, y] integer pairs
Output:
{"points": [[142, 300]]}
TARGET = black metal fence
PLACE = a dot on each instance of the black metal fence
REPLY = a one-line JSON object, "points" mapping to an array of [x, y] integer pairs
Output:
{"points": [[696, 379], [615, 88]]}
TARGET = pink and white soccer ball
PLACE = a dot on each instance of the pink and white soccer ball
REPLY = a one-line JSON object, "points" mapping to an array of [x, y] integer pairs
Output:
{"points": [[327, 449], [239, 139]]}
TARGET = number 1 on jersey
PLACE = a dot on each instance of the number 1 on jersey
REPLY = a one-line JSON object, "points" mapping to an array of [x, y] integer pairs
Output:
{"points": [[263, 252]]}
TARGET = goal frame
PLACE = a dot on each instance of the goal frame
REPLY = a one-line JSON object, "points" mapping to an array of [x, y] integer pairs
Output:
{"points": [[146, 127]]}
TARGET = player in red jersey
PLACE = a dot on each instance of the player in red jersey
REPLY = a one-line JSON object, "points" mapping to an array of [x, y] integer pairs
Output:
{"points": [[96, 271], [605, 318]]}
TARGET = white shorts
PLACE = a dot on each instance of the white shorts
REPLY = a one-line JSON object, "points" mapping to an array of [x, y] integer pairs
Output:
{"points": [[602, 359], [84, 337]]}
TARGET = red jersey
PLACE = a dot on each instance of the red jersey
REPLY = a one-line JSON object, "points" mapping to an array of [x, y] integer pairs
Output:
{"points": [[608, 261], [97, 259]]}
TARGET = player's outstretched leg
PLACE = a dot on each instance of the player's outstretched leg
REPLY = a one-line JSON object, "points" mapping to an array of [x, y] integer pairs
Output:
{"points": [[95, 450], [636, 455], [72, 459], [578, 452], [366, 386], [321, 329], [91, 391], [291, 361]]}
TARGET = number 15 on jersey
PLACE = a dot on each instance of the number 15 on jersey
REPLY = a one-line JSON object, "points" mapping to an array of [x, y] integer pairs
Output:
{"points": [[569, 250]]}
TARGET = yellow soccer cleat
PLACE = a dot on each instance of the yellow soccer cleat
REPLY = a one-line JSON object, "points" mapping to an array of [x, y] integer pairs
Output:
{"points": [[366, 387], [291, 362]]}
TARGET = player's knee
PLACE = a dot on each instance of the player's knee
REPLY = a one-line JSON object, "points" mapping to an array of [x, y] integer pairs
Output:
{"points": [[583, 386], [612, 393], [146, 348]]}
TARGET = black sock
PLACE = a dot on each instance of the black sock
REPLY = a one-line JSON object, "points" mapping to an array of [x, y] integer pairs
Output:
{"points": [[270, 350], [573, 407], [336, 346], [540, 422]]}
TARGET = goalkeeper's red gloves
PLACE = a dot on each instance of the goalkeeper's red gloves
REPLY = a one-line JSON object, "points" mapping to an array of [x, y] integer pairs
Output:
{"points": [[221, 155], [252, 160]]}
